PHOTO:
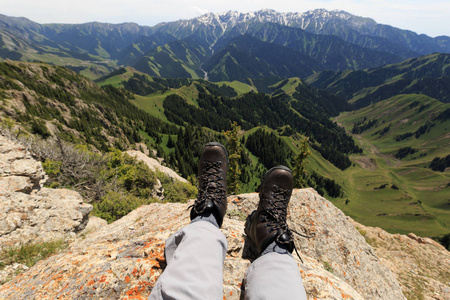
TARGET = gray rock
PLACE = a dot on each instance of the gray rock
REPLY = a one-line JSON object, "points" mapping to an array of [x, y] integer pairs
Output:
{"points": [[16, 165], [43, 216], [29, 213], [155, 165], [16, 184], [158, 190]]}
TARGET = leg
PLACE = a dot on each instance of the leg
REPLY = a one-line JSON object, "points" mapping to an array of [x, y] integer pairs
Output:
{"points": [[195, 256], [274, 276]]}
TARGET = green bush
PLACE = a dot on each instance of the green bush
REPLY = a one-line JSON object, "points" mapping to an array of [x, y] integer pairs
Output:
{"points": [[52, 167], [39, 127], [132, 175], [115, 205], [176, 191]]}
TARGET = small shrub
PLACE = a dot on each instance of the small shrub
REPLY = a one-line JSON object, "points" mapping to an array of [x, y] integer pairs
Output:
{"points": [[132, 175], [328, 267], [176, 191], [237, 214], [361, 231], [115, 205], [7, 122], [39, 127], [52, 167]]}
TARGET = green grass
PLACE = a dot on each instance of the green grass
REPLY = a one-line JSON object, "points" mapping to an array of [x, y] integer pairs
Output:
{"points": [[291, 85], [91, 71], [190, 71], [239, 87], [153, 105], [30, 254], [115, 81], [422, 202]]}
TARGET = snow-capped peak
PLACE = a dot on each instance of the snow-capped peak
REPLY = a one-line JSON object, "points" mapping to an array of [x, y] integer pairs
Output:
{"points": [[317, 17]]}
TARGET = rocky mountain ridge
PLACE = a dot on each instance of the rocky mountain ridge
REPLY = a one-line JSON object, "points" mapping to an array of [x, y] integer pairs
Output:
{"points": [[123, 260], [336, 39], [336, 22]]}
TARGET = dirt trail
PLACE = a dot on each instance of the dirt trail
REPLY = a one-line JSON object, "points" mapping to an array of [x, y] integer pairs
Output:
{"points": [[366, 162]]}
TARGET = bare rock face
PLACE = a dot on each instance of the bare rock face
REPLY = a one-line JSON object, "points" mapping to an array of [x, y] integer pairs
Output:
{"points": [[29, 213], [421, 265], [124, 259], [19, 172], [154, 165], [46, 215]]}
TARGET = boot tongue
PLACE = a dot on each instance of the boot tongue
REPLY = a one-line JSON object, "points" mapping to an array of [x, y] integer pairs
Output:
{"points": [[212, 185]]}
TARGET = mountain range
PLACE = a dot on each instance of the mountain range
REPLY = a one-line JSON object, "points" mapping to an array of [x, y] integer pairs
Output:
{"points": [[372, 99], [228, 46]]}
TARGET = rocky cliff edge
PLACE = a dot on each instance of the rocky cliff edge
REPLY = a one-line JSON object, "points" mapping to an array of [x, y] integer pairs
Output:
{"points": [[124, 259]]}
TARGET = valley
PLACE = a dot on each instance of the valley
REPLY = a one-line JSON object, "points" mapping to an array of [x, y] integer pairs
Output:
{"points": [[379, 189], [372, 100], [402, 188]]}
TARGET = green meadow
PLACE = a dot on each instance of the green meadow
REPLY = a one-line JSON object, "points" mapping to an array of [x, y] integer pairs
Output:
{"points": [[399, 195]]}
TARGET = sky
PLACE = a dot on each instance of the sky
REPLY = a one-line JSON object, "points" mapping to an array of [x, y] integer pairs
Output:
{"points": [[431, 17]]}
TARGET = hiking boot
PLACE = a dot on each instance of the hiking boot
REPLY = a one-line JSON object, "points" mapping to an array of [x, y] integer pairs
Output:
{"points": [[212, 182], [268, 222]]}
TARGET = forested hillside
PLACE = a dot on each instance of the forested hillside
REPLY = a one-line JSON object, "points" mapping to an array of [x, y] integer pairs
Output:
{"points": [[428, 75], [274, 123]]}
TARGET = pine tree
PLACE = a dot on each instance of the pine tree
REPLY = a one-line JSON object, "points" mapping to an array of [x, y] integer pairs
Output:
{"points": [[170, 142], [234, 154], [300, 164]]}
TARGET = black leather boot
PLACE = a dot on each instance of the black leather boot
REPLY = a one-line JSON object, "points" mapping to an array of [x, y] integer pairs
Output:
{"points": [[212, 182], [268, 222]]}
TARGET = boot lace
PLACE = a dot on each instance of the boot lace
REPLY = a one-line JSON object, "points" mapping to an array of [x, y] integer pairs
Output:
{"points": [[277, 213], [211, 188]]}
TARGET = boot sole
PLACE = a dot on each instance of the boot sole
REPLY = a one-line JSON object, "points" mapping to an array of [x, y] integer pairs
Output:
{"points": [[248, 221]]}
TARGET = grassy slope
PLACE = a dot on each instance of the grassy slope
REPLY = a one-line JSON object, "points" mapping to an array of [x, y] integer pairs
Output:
{"points": [[421, 204], [239, 87], [117, 80], [94, 69]]}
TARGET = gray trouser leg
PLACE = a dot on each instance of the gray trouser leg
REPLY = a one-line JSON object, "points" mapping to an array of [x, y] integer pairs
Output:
{"points": [[195, 256], [274, 276]]}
